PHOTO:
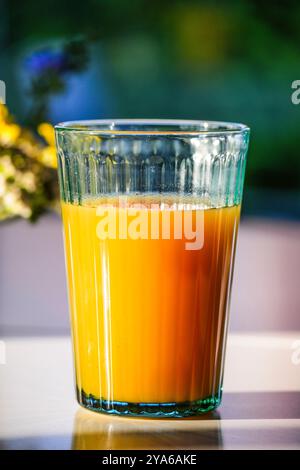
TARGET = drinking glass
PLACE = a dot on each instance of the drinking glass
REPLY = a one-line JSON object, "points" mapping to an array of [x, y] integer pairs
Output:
{"points": [[150, 212]]}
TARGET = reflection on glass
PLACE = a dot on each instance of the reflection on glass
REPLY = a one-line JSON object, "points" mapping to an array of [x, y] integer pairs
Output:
{"points": [[96, 432]]}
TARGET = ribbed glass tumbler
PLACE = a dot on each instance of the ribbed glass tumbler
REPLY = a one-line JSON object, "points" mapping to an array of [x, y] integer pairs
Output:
{"points": [[150, 213]]}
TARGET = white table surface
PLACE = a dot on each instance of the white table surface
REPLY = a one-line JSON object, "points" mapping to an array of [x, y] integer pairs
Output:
{"points": [[260, 408]]}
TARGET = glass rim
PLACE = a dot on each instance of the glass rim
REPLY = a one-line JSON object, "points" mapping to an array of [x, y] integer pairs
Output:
{"points": [[152, 127]]}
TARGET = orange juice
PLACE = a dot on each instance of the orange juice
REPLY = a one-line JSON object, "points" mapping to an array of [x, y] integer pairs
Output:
{"points": [[148, 315]]}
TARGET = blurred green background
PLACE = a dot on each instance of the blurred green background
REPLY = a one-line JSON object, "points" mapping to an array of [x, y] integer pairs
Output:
{"points": [[190, 59]]}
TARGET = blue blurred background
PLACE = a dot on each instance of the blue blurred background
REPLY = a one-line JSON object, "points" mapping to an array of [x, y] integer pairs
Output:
{"points": [[190, 59]]}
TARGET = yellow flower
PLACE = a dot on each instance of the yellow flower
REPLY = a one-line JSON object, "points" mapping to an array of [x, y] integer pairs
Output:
{"points": [[48, 154], [27, 181], [47, 132], [48, 157], [9, 133], [3, 113], [24, 168], [2, 185], [14, 205], [6, 166]]}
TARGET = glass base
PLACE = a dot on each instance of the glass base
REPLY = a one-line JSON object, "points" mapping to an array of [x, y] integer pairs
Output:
{"points": [[150, 410]]}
